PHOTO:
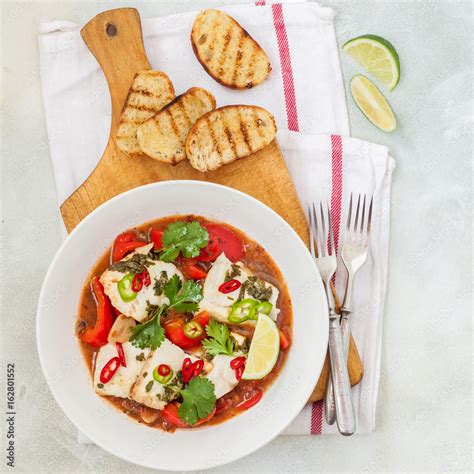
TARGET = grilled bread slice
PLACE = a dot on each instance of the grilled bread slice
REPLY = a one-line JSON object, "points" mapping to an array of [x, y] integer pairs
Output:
{"points": [[150, 92], [163, 136], [227, 52], [227, 134]]}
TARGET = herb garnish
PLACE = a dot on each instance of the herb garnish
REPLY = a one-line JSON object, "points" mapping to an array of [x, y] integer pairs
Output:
{"points": [[140, 357], [185, 237], [100, 385], [149, 386], [182, 298], [149, 334], [234, 272], [199, 400], [136, 264], [257, 289], [160, 283], [220, 341]]}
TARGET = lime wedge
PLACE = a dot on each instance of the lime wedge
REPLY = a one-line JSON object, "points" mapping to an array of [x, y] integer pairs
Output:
{"points": [[377, 56], [372, 103], [264, 349]]}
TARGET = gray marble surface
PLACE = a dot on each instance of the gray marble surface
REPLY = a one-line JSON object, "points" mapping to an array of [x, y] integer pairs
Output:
{"points": [[425, 401]]}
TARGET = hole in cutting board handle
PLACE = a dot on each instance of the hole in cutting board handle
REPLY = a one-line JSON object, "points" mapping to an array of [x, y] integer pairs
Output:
{"points": [[111, 29]]}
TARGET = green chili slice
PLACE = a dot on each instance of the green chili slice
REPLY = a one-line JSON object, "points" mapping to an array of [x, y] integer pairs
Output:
{"points": [[163, 373], [124, 287], [193, 329], [264, 307], [243, 310]]}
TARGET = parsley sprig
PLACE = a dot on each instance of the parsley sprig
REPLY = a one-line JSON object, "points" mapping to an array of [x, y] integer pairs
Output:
{"points": [[182, 298], [149, 334], [199, 399], [183, 237], [219, 341]]}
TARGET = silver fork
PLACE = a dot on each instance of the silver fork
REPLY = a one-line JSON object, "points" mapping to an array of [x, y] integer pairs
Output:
{"points": [[354, 255], [323, 250]]}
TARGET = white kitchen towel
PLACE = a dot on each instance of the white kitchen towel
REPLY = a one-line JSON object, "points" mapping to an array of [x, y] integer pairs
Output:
{"points": [[305, 93]]}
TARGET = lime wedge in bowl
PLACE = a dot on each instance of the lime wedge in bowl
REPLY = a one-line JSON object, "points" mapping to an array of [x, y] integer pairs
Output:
{"points": [[264, 349], [377, 56], [372, 103]]}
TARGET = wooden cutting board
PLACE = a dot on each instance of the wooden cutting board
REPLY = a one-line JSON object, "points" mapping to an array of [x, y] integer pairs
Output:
{"points": [[115, 39]]}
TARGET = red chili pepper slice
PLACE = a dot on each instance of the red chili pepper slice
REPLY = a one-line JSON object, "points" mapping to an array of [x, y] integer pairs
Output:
{"points": [[109, 369], [164, 370], [239, 372], [250, 402], [97, 336], [121, 354], [146, 277], [229, 286], [191, 369], [237, 362], [198, 366], [137, 283]]}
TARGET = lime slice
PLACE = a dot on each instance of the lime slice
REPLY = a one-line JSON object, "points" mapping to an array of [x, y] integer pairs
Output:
{"points": [[264, 349], [377, 56], [372, 103]]}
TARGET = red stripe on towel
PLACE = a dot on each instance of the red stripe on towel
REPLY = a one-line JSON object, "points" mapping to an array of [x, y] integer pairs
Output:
{"points": [[260, 4], [317, 418], [336, 194], [336, 209], [286, 69]]}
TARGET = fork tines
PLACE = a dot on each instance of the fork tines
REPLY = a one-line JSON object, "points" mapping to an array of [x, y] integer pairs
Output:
{"points": [[321, 242], [360, 229]]}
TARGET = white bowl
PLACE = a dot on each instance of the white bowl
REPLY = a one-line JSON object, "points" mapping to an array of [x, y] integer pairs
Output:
{"points": [[66, 371]]}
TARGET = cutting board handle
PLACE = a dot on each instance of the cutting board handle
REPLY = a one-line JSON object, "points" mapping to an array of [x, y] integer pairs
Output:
{"points": [[115, 39]]}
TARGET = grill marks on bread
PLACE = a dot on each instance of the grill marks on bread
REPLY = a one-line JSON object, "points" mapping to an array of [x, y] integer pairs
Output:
{"points": [[227, 52], [227, 134], [150, 92], [163, 136]]}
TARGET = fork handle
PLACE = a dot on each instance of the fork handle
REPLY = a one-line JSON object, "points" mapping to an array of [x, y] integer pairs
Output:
{"points": [[340, 378]]}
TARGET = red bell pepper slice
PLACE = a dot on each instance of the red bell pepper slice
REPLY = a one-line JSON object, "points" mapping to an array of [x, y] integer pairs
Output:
{"points": [[284, 340], [156, 237], [191, 270], [171, 414], [97, 336], [125, 243], [174, 331]]}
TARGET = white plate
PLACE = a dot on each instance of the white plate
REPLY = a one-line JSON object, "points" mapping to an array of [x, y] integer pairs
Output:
{"points": [[66, 371]]}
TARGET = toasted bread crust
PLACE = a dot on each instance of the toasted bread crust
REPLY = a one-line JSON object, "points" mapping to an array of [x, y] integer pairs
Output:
{"points": [[227, 52], [163, 136], [227, 134], [150, 92]]}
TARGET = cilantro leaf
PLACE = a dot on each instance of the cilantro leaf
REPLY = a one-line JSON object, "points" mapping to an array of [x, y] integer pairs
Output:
{"points": [[199, 400], [183, 298], [185, 237], [149, 334], [219, 341]]}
